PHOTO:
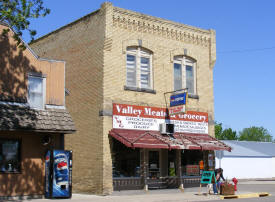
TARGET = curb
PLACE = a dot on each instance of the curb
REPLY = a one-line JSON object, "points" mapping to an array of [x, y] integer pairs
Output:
{"points": [[252, 195]]}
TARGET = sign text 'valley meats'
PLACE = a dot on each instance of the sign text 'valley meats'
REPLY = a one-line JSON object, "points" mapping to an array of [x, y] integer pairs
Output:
{"points": [[148, 118]]}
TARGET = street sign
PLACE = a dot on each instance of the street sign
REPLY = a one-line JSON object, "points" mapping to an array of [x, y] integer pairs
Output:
{"points": [[178, 99]]}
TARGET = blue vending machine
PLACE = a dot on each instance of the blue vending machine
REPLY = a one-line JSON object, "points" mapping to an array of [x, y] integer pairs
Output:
{"points": [[58, 174]]}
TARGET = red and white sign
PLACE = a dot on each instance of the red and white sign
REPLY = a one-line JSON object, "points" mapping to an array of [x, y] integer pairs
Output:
{"points": [[177, 110], [148, 118]]}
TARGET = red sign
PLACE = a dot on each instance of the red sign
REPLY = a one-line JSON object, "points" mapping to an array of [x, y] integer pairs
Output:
{"points": [[177, 110], [157, 113], [192, 170], [149, 118]]}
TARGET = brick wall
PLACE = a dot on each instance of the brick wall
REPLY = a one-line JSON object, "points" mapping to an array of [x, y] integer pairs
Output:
{"points": [[94, 50], [165, 39], [80, 44]]}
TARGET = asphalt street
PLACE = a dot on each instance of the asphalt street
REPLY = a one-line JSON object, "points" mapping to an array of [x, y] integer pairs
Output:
{"points": [[174, 195]]}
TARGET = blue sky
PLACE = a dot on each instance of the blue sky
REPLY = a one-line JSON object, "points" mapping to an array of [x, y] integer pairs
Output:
{"points": [[244, 86]]}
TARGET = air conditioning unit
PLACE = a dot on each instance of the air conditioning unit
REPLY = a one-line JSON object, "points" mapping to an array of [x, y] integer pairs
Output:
{"points": [[166, 128]]}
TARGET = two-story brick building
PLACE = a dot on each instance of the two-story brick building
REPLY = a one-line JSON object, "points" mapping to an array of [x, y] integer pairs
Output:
{"points": [[33, 117], [119, 66]]}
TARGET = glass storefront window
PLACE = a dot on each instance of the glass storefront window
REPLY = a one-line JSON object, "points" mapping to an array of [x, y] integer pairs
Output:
{"points": [[126, 161], [9, 155], [190, 162]]}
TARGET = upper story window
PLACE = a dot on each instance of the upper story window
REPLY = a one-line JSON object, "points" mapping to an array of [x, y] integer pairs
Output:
{"points": [[36, 89], [185, 74], [139, 68]]}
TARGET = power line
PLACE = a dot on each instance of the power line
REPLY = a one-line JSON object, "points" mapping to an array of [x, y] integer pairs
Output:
{"points": [[245, 50]]}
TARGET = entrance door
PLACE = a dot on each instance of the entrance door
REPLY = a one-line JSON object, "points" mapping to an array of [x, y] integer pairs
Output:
{"points": [[161, 164], [154, 165], [172, 163]]}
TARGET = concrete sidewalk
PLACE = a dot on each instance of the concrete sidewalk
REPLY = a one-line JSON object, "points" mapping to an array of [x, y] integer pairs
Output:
{"points": [[166, 195]]}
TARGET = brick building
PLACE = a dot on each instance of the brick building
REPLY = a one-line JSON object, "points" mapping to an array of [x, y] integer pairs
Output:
{"points": [[119, 65], [33, 117]]}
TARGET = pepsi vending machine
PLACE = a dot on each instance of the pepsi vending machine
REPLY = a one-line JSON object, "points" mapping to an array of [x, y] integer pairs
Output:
{"points": [[58, 174]]}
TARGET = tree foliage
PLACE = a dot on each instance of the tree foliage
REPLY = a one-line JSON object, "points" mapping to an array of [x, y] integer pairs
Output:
{"points": [[247, 134], [255, 134], [17, 14], [229, 134], [218, 131], [224, 134]]}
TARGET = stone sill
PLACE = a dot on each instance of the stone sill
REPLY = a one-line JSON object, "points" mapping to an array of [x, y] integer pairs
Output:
{"points": [[145, 90], [193, 96]]}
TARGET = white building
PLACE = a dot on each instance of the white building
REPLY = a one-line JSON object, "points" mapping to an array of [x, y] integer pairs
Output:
{"points": [[248, 159]]}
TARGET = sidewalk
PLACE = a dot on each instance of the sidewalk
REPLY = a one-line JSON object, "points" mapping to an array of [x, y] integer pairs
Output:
{"points": [[166, 195]]}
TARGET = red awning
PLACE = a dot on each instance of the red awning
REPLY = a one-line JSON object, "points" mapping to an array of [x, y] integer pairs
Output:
{"points": [[153, 139], [145, 139], [204, 141]]}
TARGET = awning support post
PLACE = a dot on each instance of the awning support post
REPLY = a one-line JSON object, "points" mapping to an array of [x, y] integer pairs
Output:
{"points": [[179, 170], [144, 163]]}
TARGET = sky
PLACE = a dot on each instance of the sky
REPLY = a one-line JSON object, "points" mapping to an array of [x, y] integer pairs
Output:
{"points": [[244, 73]]}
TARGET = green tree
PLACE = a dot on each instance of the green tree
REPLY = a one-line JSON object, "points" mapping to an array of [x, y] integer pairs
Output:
{"points": [[17, 14], [255, 134], [218, 130], [224, 134], [229, 134]]}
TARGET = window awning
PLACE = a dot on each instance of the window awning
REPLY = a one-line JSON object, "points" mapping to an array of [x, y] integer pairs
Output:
{"points": [[153, 139]]}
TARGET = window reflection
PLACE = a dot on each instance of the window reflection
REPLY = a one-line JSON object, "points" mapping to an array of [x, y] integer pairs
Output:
{"points": [[9, 156], [126, 161]]}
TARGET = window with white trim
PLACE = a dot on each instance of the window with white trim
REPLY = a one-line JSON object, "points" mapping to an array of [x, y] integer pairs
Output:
{"points": [[36, 89], [185, 74], [138, 68]]}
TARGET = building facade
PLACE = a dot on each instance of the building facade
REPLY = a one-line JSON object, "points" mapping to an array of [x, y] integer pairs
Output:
{"points": [[116, 58], [33, 117]]}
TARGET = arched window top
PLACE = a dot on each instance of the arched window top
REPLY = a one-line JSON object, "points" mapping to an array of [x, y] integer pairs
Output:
{"points": [[142, 50], [138, 43], [186, 59]]}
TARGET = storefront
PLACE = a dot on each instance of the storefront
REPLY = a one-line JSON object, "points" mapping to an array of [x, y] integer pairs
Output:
{"points": [[144, 156]]}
